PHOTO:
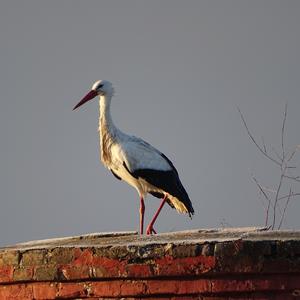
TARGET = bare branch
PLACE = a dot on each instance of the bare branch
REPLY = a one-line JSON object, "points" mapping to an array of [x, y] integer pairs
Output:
{"points": [[282, 132], [278, 156], [264, 145], [276, 200], [292, 154], [267, 198], [296, 178], [254, 141], [285, 207], [286, 196], [282, 159], [268, 189]]}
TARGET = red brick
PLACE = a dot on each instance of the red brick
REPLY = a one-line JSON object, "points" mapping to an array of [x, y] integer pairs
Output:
{"points": [[118, 288], [162, 287], [107, 288], [110, 267], [83, 257], [197, 286], [156, 267], [133, 288], [16, 292], [6, 274], [71, 290], [75, 273], [257, 284], [44, 290], [139, 270], [178, 287], [168, 266]]}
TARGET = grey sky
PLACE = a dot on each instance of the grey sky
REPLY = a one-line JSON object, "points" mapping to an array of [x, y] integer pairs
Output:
{"points": [[179, 69]]}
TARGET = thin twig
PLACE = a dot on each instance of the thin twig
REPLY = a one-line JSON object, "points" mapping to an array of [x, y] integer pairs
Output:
{"points": [[285, 207], [268, 189], [282, 131], [254, 141], [292, 154], [293, 178], [282, 160], [267, 198], [286, 196], [276, 201], [278, 156], [264, 145]]}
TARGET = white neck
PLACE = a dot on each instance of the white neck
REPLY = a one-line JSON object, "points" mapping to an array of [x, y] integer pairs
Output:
{"points": [[108, 131], [105, 120]]}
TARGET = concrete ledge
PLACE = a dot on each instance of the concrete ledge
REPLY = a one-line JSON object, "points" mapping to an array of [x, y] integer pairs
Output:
{"points": [[234, 263]]}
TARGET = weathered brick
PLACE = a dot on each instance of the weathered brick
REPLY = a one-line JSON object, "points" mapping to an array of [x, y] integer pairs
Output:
{"points": [[9, 258], [120, 252], [32, 258], [185, 250], [202, 265], [233, 257], [46, 272], [23, 274], [60, 255], [207, 249], [144, 252]]}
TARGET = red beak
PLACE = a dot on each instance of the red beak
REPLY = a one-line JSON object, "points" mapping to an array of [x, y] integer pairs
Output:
{"points": [[89, 96]]}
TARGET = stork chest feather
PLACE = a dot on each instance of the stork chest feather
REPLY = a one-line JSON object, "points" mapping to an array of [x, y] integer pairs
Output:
{"points": [[106, 143]]}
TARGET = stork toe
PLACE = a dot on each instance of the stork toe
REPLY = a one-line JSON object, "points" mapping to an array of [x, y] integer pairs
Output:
{"points": [[150, 230]]}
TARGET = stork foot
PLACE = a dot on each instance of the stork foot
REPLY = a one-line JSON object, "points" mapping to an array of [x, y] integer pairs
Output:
{"points": [[150, 230]]}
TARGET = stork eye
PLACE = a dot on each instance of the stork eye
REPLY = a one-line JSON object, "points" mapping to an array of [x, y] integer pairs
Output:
{"points": [[100, 86]]}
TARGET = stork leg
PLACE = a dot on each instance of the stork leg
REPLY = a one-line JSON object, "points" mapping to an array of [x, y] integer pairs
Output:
{"points": [[142, 211], [150, 228]]}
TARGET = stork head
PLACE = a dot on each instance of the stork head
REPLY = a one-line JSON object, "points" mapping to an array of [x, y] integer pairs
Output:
{"points": [[101, 88]]}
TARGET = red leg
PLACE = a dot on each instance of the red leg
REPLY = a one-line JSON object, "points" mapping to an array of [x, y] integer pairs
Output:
{"points": [[150, 228], [142, 211]]}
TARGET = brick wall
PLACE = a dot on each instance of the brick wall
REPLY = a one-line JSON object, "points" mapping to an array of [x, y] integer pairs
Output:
{"points": [[240, 263]]}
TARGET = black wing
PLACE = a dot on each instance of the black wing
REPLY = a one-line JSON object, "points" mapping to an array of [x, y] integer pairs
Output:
{"points": [[168, 181]]}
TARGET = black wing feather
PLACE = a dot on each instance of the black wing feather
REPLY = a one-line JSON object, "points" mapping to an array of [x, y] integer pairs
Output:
{"points": [[166, 180]]}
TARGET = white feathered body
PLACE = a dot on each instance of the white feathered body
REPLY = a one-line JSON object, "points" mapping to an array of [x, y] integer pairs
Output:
{"points": [[127, 155]]}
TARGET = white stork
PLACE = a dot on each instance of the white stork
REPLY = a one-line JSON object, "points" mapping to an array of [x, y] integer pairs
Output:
{"points": [[135, 161]]}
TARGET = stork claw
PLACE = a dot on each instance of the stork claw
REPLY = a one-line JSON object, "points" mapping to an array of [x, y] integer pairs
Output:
{"points": [[150, 230]]}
